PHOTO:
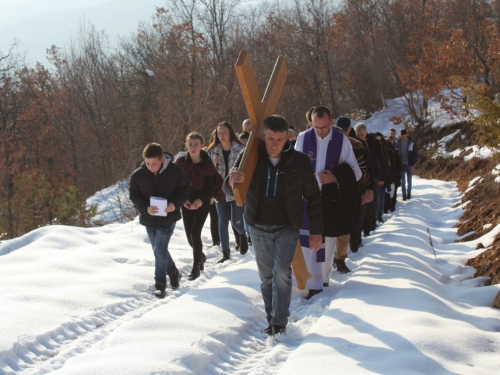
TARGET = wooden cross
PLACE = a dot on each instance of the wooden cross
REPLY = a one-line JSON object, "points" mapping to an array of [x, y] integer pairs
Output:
{"points": [[257, 111]]}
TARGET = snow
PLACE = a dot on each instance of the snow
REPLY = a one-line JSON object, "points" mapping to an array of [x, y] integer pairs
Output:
{"points": [[396, 108], [79, 301], [112, 203], [438, 117], [496, 172]]}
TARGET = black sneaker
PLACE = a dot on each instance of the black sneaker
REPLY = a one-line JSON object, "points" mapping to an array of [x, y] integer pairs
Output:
{"points": [[195, 272], [160, 294], [243, 245], [203, 260], [225, 256], [353, 244], [269, 330], [341, 266], [159, 290], [174, 278], [278, 330], [313, 292]]}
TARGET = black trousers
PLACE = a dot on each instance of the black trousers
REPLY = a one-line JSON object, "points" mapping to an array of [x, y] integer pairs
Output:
{"points": [[193, 224], [214, 223]]}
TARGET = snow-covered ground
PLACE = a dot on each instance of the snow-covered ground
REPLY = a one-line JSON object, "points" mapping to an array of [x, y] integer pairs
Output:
{"points": [[438, 117], [78, 301]]}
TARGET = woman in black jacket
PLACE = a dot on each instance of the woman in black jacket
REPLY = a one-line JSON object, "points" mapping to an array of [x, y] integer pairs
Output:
{"points": [[205, 184]]}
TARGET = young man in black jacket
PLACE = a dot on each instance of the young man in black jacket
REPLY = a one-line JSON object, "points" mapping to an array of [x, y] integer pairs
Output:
{"points": [[274, 213], [159, 177], [408, 152]]}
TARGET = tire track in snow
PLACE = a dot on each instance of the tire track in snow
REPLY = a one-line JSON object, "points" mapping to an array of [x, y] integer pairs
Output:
{"points": [[49, 351]]}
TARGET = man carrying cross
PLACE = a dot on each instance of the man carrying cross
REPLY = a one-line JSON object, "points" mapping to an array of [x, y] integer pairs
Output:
{"points": [[274, 213], [332, 157]]}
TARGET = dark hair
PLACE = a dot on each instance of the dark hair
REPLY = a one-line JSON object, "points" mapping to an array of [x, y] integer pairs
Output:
{"points": [[275, 123], [392, 130], [195, 135], [403, 132], [244, 135], [152, 150], [216, 141], [343, 123], [321, 111]]}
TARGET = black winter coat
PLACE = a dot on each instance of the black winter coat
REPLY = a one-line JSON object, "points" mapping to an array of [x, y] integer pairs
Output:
{"points": [[171, 184], [340, 201], [297, 179]]}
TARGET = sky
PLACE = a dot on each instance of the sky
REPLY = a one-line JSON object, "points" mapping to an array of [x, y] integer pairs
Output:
{"points": [[39, 24], [79, 301]]}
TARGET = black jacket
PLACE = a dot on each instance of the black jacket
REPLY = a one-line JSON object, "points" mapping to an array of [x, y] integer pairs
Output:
{"points": [[340, 201], [413, 154], [171, 184], [297, 178]]}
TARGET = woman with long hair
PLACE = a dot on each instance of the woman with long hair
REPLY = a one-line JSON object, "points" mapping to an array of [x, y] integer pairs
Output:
{"points": [[224, 151], [206, 184]]}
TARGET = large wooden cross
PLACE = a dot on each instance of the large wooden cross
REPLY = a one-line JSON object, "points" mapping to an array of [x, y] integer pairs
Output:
{"points": [[258, 110]]}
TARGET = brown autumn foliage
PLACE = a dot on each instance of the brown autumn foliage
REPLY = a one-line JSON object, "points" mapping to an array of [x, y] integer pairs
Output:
{"points": [[79, 124]]}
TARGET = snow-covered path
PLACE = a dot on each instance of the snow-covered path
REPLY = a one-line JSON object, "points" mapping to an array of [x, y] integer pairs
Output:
{"points": [[76, 300]]}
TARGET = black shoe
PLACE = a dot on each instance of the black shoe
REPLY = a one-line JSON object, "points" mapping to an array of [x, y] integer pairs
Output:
{"points": [[238, 240], [354, 244], [243, 244], [225, 256], [379, 218], [174, 279], [249, 239], [203, 260], [325, 285], [195, 272], [278, 330], [159, 290], [313, 292], [409, 195], [341, 266], [269, 330], [216, 243]]}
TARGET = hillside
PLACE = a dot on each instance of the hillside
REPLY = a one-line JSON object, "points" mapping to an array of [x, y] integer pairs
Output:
{"points": [[477, 177]]}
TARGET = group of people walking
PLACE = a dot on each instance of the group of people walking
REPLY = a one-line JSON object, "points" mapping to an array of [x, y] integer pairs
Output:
{"points": [[324, 189]]}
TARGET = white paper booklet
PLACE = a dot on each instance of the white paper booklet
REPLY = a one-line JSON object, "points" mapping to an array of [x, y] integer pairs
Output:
{"points": [[161, 203]]}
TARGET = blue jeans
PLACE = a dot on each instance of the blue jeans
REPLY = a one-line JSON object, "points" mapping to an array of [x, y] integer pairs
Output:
{"points": [[274, 248], [159, 238], [381, 203], [227, 210], [406, 175]]}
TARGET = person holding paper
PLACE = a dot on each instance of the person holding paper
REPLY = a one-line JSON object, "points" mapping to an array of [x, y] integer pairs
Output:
{"points": [[206, 183], [159, 177]]}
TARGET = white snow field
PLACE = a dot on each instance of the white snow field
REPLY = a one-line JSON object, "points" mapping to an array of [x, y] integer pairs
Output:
{"points": [[79, 301]]}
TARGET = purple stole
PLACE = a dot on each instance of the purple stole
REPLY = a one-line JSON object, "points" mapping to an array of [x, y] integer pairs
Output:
{"points": [[310, 148]]}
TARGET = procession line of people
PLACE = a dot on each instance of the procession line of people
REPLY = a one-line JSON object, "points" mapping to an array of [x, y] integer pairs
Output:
{"points": [[325, 189]]}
